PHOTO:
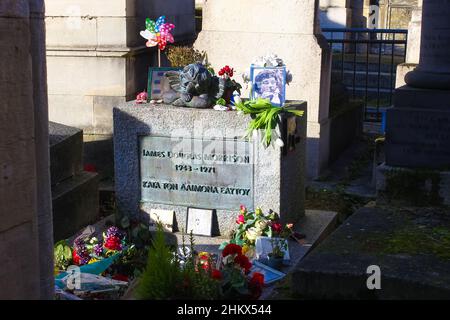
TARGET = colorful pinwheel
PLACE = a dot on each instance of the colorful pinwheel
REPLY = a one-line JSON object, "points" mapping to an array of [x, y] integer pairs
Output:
{"points": [[158, 33]]}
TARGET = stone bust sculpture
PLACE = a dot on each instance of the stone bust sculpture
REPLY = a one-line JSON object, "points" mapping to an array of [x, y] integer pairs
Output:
{"points": [[194, 87]]}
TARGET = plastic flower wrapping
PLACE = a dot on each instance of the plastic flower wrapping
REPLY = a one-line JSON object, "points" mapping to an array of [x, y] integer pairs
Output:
{"points": [[87, 251], [269, 60]]}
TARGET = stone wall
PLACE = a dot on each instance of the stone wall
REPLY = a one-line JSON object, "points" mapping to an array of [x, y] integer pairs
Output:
{"points": [[98, 60], [291, 30], [25, 214]]}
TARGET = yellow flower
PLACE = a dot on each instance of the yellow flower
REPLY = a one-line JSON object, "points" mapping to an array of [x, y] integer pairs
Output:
{"points": [[258, 211], [245, 248], [93, 260], [203, 253]]}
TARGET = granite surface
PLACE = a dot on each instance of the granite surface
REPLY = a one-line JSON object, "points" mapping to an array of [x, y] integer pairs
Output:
{"points": [[278, 176]]}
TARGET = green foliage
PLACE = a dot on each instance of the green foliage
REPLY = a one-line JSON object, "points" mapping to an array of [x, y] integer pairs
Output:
{"points": [[180, 56], [165, 277], [63, 255], [221, 102], [264, 115], [279, 247], [160, 278]]}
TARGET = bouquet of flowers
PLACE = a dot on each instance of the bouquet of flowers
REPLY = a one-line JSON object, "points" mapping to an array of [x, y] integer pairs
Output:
{"points": [[86, 251], [251, 225], [233, 274]]}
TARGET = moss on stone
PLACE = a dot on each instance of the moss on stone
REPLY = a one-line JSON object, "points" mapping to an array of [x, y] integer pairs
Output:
{"points": [[415, 241]]}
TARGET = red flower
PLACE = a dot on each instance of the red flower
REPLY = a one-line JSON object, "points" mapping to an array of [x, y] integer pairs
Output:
{"points": [[255, 285], [226, 71], [243, 262], [216, 274], [75, 257], [243, 209], [113, 243], [232, 248], [240, 219], [257, 278], [277, 227], [204, 264]]}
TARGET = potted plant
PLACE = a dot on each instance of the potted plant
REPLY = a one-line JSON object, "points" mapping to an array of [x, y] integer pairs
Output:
{"points": [[276, 257], [230, 84]]}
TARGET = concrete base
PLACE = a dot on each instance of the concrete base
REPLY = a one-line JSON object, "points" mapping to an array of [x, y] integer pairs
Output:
{"points": [[413, 186], [75, 204], [373, 236]]}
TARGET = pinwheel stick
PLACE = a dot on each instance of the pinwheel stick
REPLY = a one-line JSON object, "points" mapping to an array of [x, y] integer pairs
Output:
{"points": [[159, 58]]}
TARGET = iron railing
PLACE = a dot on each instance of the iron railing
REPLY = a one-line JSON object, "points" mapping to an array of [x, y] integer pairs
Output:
{"points": [[366, 61]]}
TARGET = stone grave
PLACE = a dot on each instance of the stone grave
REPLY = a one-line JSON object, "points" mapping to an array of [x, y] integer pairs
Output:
{"points": [[176, 158], [418, 125], [74, 191]]}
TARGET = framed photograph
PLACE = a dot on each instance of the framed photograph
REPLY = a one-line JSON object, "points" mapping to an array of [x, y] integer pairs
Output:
{"points": [[199, 221], [164, 217], [155, 82], [269, 83], [270, 275]]}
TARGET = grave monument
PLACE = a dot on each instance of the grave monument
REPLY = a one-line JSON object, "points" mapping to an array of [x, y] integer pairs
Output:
{"points": [[418, 125], [179, 159]]}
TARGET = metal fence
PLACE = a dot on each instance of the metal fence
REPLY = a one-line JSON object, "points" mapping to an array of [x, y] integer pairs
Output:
{"points": [[366, 60]]}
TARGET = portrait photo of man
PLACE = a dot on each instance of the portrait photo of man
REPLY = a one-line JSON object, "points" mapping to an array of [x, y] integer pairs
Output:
{"points": [[269, 83]]}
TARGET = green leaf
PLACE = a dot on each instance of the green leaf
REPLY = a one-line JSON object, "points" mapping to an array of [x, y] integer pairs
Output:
{"points": [[298, 113], [221, 102], [223, 245]]}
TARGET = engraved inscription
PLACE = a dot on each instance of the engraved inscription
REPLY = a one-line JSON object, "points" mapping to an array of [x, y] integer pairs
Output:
{"points": [[208, 173]]}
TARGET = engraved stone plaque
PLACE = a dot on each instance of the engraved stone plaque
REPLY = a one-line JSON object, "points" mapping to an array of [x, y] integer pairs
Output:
{"points": [[207, 173]]}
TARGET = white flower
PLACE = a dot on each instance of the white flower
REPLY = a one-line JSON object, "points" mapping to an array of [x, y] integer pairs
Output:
{"points": [[269, 60], [279, 142], [252, 233]]}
